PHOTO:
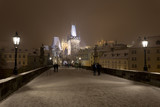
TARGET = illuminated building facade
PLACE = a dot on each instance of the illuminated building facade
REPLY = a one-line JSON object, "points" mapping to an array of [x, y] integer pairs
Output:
{"points": [[73, 42], [136, 55], [25, 58], [64, 45], [117, 59], [56, 50]]}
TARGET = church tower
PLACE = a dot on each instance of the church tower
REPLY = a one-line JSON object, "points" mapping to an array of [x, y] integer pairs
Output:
{"points": [[73, 41]]}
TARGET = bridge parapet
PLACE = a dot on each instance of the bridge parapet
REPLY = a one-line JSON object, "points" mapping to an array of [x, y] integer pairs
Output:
{"points": [[11, 84], [152, 78]]}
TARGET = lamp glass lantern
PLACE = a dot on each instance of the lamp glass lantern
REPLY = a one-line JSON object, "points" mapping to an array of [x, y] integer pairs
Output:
{"points": [[144, 43], [16, 40]]}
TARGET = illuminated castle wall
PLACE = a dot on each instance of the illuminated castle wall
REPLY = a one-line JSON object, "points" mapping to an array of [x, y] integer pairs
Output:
{"points": [[73, 41], [64, 45]]}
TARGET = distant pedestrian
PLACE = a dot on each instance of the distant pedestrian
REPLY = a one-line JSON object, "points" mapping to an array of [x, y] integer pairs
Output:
{"points": [[94, 67], [57, 67], [99, 68], [54, 66]]}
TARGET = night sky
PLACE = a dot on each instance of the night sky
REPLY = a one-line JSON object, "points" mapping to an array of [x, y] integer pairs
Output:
{"points": [[38, 21]]}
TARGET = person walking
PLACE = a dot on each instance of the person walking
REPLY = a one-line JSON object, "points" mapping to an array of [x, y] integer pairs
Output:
{"points": [[94, 67], [57, 67], [99, 68], [54, 66]]}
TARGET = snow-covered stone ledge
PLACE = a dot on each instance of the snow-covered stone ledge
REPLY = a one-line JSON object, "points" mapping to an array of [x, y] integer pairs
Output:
{"points": [[152, 78], [11, 84]]}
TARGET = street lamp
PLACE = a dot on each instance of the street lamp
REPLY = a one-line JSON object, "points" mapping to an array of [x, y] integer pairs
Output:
{"points": [[50, 58], [16, 40], [145, 44], [80, 61]]}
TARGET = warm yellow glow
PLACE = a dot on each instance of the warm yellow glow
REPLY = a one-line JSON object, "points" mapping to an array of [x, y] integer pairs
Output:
{"points": [[64, 45], [101, 42], [50, 58]]}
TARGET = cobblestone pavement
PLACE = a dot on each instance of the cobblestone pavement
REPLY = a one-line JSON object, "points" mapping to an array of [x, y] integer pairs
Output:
{"points": [[79, 88]]}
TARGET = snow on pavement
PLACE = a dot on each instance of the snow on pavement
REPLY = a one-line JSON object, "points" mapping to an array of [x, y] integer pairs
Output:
{"points": [[79, 88]]}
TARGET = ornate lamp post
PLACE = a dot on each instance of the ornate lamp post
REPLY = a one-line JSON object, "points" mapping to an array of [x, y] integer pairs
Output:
{"points": [[16, 41], [145, 44], [80, 61]]}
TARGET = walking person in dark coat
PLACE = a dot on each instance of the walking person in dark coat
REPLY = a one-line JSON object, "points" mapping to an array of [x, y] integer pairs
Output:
{"points": [[54, 67], [94, 67], [57, 67], [99, 68]]}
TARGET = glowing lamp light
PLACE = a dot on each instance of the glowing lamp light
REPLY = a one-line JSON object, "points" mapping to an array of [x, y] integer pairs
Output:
{"points": [[73, 30], [50, 58], [79, 58], [16, 40], [144, 43]]}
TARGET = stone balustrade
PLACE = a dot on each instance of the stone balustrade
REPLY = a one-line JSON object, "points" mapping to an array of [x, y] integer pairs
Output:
{"points": [[152, 78], [11, 84]]}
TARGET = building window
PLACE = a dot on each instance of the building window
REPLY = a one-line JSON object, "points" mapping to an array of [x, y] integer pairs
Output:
{"points": [[118, 54], [134, 65], [158, 51], [125, 54], [10, 56], [158, 58], [134, 52], [148, 59], [134, 58], [148, 51], [19, 62], [23, 56], [23, 63]]}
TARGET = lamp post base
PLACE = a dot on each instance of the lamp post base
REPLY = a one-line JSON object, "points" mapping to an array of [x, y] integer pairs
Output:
{"points": [[145, 68], [15, 71]]}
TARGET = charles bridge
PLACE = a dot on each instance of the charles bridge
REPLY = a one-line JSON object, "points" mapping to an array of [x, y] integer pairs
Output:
{"points": [[77, 87]]}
